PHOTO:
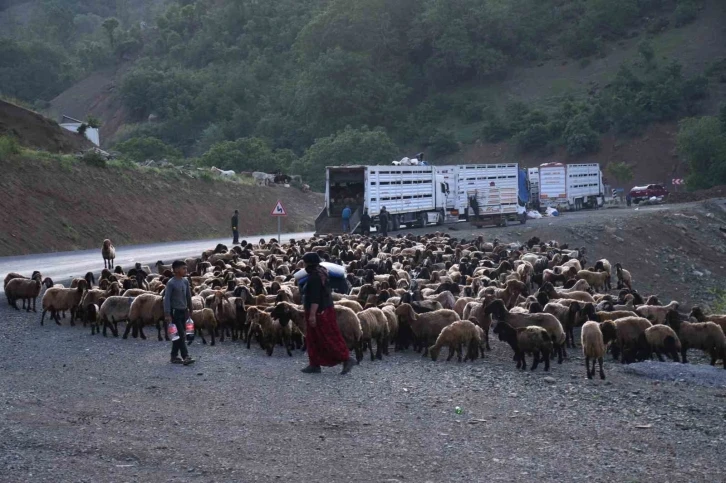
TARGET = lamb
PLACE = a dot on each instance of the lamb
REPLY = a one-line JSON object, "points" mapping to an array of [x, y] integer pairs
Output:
{"points": [[146, 309], [426, 327], [547, 321], [108, 252], [597, 280], [625, 333], [659, 339], [459, 334], [656, 313], [374, 324], [526, 340], [269, 330], [624, 277], [204, 319], [57, 300], [706, 336], [113, 310], [593, 347], [25, 289]]}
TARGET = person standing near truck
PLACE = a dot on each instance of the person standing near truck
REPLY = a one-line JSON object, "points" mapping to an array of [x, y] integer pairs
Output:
{"points": [[365, 223], [235, 228], [474, 205], [346, 219], [383, 219]]}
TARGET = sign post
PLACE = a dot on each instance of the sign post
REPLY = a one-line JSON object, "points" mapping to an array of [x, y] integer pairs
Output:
{"points": [[279, 212]]}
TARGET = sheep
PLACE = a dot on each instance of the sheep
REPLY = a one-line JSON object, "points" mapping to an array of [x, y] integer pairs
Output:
{"points": [[146, 309], [374, 324], [624, 277], [699, 316], [351, 304], [108, 252], [92, 315], [25, 289], [269, 330], [568, 318], [350, 329], [526, 340], [706, 336], [426, 327], [226, 314], [62, 299], [390, 312], [593, 347], [113, 310], [476, 311], [614, 315], [459, 334], [204, 319], [547, 321], [656, 313], [659, 339], [161, 268], [625, 333], [597, 280], [549, 289]]}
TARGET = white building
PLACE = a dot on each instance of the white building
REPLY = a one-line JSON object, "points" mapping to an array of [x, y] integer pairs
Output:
{"points": [[71, 124]]}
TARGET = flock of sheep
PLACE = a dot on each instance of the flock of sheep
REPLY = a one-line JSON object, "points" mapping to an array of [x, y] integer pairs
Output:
{"points": [[422, 292]]}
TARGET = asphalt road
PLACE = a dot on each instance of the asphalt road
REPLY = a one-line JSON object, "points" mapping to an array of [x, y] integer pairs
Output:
{"points": [[66, 265]]}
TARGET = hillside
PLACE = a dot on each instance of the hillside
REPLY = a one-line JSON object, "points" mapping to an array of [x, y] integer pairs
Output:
{"points": [[57, 205], [33, 130]]}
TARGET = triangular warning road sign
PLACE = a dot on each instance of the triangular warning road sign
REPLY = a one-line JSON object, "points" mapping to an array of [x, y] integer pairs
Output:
{"points": [[279, 209]]}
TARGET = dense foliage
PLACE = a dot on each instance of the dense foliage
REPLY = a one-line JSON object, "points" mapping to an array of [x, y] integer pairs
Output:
{"points": [[702, 142], [255, 84]]}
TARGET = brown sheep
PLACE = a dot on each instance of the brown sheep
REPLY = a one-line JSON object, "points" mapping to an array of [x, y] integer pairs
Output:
{"points": [[706, 336], [269, 330], [374, 324], [658, 339], [456, 336], [108, 252], [625, 333], [526, 340], [204, 319], [698, 314], [593, 347], [24, 289], [426, 327], [58, 299], [146, 309]]}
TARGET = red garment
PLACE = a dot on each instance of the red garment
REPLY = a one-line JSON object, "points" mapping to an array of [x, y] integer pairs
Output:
{"points": [[325, 344]]}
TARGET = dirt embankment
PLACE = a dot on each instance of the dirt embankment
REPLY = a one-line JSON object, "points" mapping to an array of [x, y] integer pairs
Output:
{"points": [[49, 206], [35, 131]]}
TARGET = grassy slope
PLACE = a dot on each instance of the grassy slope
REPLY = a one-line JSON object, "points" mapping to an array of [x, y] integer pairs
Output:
{"points": [[56, 204]]}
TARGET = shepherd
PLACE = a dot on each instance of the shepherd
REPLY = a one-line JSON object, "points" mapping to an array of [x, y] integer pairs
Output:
{"points": [[324, 341], [235, 229]]}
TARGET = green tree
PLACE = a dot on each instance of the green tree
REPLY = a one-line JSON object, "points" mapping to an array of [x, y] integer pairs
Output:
{"points": [[349, 146], [702, 143], [621, 172], [443, 142], [110, 25], [247, 154], [579, 137]]}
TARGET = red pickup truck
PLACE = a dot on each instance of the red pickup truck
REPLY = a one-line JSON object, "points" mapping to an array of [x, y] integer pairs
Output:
{"points": [[642, 193]]}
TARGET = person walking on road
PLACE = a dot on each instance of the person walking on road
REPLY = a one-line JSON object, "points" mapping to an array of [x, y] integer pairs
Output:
{"points": [[346, 219], [177, 309], [365, 223], [235, 228], [325, 344], [383, 219]]}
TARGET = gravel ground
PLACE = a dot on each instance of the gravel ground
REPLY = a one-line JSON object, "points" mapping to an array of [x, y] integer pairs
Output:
{"points": [[76, 407]]}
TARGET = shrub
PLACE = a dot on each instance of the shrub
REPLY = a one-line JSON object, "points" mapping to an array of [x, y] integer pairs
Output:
{"points": [[623, 173], [443, 142], [94, 158], [685, 13], [535, 136], [579, 137], [8, 146]]}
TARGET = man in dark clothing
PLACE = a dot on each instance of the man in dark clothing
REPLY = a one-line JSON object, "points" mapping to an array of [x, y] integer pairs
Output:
{"points": [[325, 343], [383, 218], [235, 225], [474, 204], [177, 308], [365, 223]]}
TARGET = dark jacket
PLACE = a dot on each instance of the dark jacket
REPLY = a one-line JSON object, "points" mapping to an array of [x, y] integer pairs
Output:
{"points": [[314, 292], [365, 221], [383, 217], [235, 222]]}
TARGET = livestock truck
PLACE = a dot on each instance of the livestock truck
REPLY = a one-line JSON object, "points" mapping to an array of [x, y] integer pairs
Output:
{"points": [[570, 186], [420, 195]]}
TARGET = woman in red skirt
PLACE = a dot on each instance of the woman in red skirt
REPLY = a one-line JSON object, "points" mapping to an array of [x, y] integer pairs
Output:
{"points": [[324, 342]]}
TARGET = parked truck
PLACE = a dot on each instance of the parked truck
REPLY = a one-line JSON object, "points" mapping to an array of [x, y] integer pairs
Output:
{"points": [[571, 186], [421, 195]]}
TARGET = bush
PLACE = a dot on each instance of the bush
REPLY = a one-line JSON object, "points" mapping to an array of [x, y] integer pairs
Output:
{"points": [[579, 137], [685, 13], [621, 172], [8, 147], [143, 148], [702, 142], [94, 158], [535, 136], [443, 142]]}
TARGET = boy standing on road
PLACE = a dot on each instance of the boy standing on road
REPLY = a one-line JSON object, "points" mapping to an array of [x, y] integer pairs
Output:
{"points": [[177, 308], [235, 228]]}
